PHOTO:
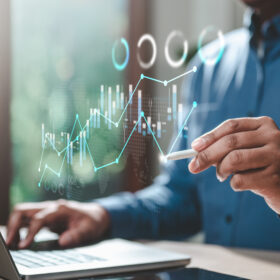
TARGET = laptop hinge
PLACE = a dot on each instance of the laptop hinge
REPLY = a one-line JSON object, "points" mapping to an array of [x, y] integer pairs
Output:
{"points": [[8, 270]]}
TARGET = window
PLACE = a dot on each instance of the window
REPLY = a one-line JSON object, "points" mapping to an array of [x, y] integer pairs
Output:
{"points": [[61, 57]]}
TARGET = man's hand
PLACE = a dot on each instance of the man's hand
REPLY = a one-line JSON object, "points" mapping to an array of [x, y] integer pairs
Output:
{"points": [[76, 223], [249, 150]]}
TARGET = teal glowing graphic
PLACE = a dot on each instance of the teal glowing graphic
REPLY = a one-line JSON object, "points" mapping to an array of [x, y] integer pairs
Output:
{"points": [[122, 66], [211, 60], [142, 77], [81, 140]]}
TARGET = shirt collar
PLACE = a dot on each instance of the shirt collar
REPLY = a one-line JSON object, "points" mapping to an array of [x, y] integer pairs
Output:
{"points": [[268, 31]]}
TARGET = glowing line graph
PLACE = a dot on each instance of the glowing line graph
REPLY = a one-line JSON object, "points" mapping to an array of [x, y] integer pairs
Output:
{"points": [[116, 161], [142, 77]]}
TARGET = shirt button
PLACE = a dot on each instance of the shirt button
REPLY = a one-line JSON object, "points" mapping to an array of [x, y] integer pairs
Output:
{"points": [[250, 114], [228, 218]]}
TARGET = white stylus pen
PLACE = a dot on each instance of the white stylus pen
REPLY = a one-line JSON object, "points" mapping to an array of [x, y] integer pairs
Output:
{"points": [[182, 154]]}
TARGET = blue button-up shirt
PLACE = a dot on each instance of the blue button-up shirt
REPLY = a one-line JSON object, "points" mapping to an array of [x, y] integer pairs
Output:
{"points": [[245, 82]]}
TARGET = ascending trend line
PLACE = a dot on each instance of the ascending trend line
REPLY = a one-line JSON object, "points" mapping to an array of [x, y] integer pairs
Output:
{"points": [[116, 161], [142, 77]]}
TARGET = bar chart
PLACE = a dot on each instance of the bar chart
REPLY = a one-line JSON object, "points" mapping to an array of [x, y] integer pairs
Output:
{"points": [[116, 102]]}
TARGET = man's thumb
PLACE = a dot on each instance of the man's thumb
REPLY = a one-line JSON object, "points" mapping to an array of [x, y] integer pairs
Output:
{"points": [[69, 238]]}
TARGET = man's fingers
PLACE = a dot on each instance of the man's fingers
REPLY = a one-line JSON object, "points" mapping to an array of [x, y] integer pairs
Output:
{"points": [[77, 235], [13, 243], [242, 160], [41, 219], [14, 224], [20, 217], [228, 127], [35, 225], [218, 150], [17, 220], [254, 180], [69, 238]]}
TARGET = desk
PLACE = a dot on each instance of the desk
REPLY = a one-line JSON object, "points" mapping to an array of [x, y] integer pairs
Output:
{"points": [[252, 264]]}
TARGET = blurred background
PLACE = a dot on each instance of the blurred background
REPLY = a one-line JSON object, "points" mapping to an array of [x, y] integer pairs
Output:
{"points": [[56, 62]]}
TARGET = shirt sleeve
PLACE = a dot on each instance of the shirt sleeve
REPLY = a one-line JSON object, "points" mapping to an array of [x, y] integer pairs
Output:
{"points": [[169, 208]]}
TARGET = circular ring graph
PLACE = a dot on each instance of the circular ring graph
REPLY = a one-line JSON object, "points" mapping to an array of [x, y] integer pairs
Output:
{"points": [[217, 58], [117, 65], [149, 38], [171, 62]]}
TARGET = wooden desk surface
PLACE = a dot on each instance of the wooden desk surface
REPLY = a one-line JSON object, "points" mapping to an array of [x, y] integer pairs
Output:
{"points": [[252, 264]]}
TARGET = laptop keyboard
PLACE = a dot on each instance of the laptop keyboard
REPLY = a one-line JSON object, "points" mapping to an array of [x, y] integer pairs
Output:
{"points": [[36, 259]]}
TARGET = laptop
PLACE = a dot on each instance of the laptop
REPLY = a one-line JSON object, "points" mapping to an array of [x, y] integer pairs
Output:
{"points": [[114, 256]]}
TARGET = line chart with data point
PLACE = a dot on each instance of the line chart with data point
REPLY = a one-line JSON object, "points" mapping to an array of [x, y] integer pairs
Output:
{"points": [[142, 125]]}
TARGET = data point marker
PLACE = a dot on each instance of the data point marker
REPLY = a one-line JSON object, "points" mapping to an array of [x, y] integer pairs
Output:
{"points": [[194, 69], [194, 104], [165, 83]]}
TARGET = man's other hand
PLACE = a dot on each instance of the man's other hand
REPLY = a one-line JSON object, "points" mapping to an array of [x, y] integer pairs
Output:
{"points": [[249, 150], [76, 223]]}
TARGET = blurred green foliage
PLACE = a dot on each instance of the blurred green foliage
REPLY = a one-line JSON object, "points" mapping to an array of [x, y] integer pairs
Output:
{"points": [[61, 55]]}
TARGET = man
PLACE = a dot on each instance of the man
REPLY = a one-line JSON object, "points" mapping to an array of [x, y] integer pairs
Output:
{"points": [[241, 207]]}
